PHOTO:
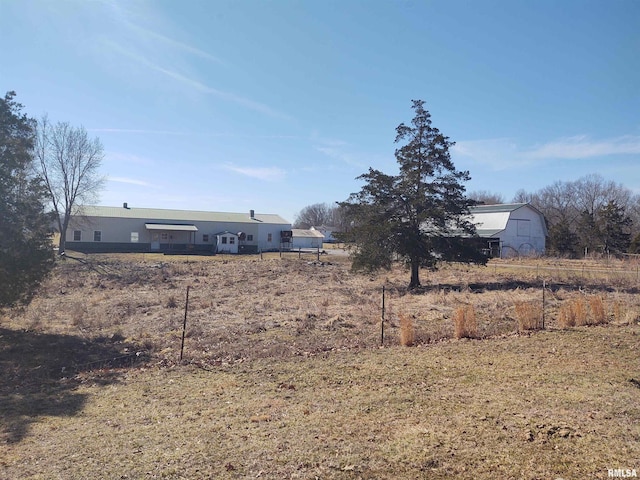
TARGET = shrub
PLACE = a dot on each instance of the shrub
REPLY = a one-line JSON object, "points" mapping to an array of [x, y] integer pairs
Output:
{"points": [[598, 313], [464, 322], [529, 315], [579, 309], [566, 316], [407, 330], [171, 302]]}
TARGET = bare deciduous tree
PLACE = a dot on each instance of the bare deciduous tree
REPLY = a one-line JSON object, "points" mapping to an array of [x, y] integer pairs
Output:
{"points": [[69, 162], [486, 197], [314, 215], [576, 211]]}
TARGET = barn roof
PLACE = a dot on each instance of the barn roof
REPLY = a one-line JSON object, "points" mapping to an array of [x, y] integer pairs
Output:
{"points": [[178, 215], [492, 219], [498, 208]]}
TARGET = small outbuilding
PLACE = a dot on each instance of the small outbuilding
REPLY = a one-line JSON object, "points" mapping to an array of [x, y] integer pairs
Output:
{"points": [[306, 238]]}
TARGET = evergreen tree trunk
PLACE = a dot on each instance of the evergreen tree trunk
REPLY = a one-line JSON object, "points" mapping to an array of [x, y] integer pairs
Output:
{"points": [[415, 274]]}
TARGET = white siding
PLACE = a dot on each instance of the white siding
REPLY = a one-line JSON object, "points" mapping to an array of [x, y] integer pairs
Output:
{"points": [[524, 233]]}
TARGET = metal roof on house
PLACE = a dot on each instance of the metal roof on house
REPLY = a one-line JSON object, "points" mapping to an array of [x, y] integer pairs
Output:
{"points": [[170, 216], [171, 227], [302, 233]]}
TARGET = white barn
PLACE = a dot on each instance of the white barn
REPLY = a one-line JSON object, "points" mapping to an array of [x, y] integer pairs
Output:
{"points": [[126, 229], [514, 229]]}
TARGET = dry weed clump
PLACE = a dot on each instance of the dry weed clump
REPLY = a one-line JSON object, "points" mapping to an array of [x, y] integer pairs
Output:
{"points": [[579, 307], [171, 302], [575, 312], [598, 313], [529, 315], [464, 322], [566, 316], [407, 330]]}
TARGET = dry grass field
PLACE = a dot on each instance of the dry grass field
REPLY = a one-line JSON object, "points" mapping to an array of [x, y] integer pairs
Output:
{"points": [[284, 374]]}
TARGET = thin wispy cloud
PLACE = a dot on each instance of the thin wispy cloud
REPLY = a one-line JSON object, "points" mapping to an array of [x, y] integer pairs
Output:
{"points": [[268, 174], [338, 153], [173, 43], [582, 146], [505, 153], [148, 47], [123, 14], [129, 181], [137, 131], [196, 84], [128, 158], [335, 149]]}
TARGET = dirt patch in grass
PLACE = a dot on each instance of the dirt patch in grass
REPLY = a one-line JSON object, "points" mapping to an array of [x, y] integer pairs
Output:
{"points": [[284, 377]]}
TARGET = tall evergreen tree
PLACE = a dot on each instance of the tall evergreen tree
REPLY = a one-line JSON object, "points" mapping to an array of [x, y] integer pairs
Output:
{"points": [[413, 214], [614, 228], [26, 254]]}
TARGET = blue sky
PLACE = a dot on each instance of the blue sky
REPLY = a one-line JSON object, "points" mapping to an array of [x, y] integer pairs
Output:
{"points": [[276, 105]]}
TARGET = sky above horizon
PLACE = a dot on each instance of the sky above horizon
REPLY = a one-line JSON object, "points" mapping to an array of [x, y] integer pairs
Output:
{"points": [[275, 105]]}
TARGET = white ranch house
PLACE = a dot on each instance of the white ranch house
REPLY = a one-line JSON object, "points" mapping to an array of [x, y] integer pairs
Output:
{"points": [[127, 229], [514, 229]]}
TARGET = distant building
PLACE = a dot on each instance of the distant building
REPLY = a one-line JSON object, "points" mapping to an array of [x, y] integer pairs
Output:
{"points": [[327, 232], [306, 238], [514, 229], [127, 229]]}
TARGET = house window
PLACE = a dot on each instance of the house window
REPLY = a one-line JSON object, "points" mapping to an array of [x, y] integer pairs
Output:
{"points": [[269, 237], [232, 240], [97, 236], [205, 238], [249, 238], [77, 235], [224, 240], [134, 237], [164, 236]]}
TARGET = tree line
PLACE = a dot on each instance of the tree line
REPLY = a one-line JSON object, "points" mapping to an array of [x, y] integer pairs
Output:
{"points": [[46, 171], [590, 215]]}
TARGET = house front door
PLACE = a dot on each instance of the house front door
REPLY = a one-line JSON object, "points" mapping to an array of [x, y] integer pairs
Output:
{"points": [[155, 241]]}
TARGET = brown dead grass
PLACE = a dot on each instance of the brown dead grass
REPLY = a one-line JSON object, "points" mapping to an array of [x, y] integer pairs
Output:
{"points": [[407, 330], [283, 374], [598, 312], [529, 315], [464, 322]]}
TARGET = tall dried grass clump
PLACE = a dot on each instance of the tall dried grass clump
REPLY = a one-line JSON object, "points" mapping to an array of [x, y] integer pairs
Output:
{"points": [[575, 312], [623, 314], [566, 316], [579, 307], [619, 312], [464, 322], [598, 312], [529, 315], [407, 330]]}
